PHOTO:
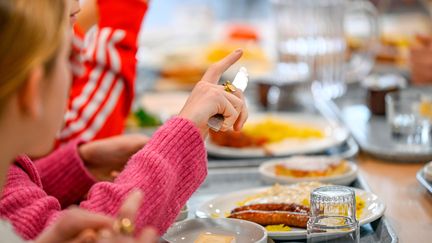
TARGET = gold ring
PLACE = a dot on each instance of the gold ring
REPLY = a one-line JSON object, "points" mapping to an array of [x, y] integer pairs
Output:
{"points": [[229, 87], [124, 226]]}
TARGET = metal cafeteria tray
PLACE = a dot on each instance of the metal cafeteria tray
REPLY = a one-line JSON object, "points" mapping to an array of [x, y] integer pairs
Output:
{"points": [[371, 132], [346, 150], [221, 181], [422, 180]]}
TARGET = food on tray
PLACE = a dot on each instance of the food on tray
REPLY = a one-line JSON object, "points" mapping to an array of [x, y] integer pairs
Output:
{"points": [[142, 118], [398, 33], [252, 52], [278, 227], [301, 167], [254, 57], [291, 207], [273, 214], [184, 65], [236, 139], [277, 130], [425, 107], [297, 193], [282, 206], [273, 218], [214, 238], [267, 131], [393, 49], [243, 32]]}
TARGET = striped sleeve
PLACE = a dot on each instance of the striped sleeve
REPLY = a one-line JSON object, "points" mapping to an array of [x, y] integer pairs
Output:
{"points": [[101, 98]]}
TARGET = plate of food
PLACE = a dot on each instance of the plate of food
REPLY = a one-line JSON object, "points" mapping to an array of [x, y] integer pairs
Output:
{"points": [[309, 168], [283, 210], [277, 134]]}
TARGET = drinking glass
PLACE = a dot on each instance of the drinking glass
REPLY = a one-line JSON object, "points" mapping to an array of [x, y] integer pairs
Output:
{"points": [[409, 116], [312, 42], [333, 215]]}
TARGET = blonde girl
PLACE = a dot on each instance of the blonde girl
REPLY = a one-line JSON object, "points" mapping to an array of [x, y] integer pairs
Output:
{"points": [[34, 84]]}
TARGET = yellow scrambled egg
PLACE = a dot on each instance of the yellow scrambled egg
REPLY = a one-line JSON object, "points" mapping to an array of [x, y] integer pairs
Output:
{"points": [[278, 227], [276, 130]]}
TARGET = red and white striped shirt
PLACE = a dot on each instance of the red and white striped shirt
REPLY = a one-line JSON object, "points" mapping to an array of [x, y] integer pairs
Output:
{"points": [[103, 86]]}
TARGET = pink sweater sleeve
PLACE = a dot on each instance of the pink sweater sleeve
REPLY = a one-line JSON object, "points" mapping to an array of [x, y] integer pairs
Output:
{"points": [[168, 170], [25, 205], [64, 175]]}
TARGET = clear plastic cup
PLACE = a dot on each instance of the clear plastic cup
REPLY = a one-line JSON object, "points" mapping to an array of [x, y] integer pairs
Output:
{"points": [[410, 123], [333, 215]]}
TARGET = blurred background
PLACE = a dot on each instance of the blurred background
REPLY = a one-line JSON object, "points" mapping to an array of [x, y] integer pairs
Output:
{"points": [[179, 39], [295, 51]]}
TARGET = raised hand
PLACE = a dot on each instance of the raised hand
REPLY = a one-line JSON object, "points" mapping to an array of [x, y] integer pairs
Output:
{"points": [[208, 99]]}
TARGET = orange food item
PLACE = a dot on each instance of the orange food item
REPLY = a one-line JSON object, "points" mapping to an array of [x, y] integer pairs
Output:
{"points": [[303, 169], [236, 139], [264, 218], [425, 109], [290, 207], [393, 50], [242, 32]]}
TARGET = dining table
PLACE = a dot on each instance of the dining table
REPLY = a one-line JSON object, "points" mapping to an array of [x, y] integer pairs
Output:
{"points": [[408, 204]]}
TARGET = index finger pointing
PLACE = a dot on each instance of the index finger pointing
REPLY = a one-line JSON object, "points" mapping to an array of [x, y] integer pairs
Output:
{"points": [[213, 74]]}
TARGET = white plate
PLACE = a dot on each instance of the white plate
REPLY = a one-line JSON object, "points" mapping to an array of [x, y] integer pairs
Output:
{"points": [[267, 172], [334, 135], [220, 205]]}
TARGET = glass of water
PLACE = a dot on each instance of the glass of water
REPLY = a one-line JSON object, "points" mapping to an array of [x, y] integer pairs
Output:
{"points": [[311, 42], [409, 117], [333, 215]]}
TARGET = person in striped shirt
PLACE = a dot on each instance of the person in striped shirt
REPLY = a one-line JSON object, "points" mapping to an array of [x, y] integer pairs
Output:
{"points": [[104, 71]]}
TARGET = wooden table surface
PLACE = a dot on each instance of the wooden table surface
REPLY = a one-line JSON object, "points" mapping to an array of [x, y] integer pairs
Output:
{"points": [[409, 205]]}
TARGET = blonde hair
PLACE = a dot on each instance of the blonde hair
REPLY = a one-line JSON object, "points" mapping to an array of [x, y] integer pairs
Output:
{"points": [[31, 33]]}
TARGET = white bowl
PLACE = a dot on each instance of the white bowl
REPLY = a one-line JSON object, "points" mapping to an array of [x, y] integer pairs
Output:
{"points": [[243, 231], [267, 172]]}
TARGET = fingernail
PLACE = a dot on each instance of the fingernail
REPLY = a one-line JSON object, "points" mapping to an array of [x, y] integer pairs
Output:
{"points": [[238, 50]]}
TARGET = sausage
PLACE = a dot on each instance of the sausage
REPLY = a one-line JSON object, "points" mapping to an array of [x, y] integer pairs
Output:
{"points": [[273, 217], [291, 207]]}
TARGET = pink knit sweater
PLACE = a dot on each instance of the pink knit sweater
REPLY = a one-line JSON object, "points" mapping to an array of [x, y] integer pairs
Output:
{"points": [[168, 170]]}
